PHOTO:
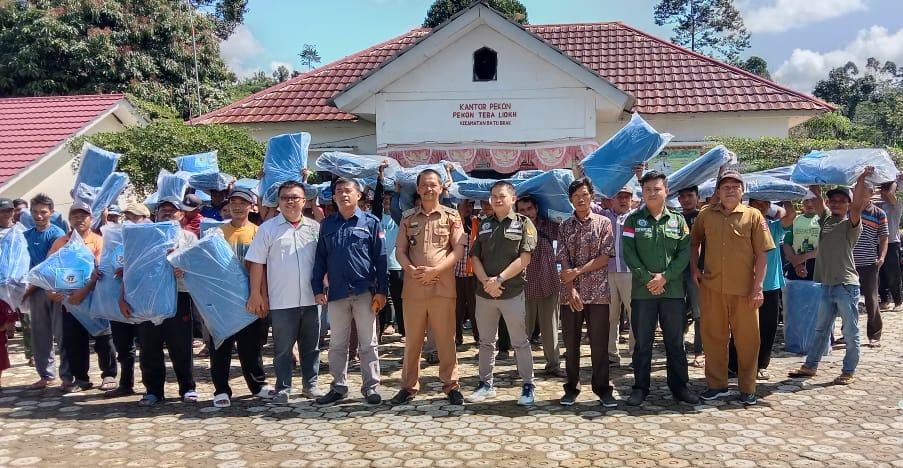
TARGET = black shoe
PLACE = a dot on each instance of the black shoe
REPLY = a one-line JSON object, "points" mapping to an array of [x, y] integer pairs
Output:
{"points": [[373, 398], [684, 395], [403, 396], [637, 397], [119, 392], [712, 394], [568, 399], [503, 356], [455, 397], [608, 401], [748, 399], [330, 398]]}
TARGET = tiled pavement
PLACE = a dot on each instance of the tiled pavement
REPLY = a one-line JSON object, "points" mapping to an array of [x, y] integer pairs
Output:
{"points": [[796, 423]]}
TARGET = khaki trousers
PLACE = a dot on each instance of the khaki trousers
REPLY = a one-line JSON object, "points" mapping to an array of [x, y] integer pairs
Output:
{"points": [[620, 286], [439, 314], [723, 315]]}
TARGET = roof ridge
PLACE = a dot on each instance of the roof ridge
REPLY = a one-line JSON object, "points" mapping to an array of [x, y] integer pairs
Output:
{"points": [[310, 73], [587, 23], [719, 63], [70, 97]]}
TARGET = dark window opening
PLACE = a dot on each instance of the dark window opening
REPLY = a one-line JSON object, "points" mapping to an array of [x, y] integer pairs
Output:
{"points": [[485, 64]]}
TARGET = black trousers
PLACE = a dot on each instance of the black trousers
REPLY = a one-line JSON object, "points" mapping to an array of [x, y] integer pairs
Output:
{"points": [[671, 314], [768, 328], [810, 271], [396, 283], [504, 342], [124, 337], [597, 325], [868, 285], [465, 307], [889, 282], [77, 348], [249, 355], [176, 334]]}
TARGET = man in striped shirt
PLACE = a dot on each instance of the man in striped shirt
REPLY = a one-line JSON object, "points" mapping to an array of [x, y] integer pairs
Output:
{"points": [[869, 254]]}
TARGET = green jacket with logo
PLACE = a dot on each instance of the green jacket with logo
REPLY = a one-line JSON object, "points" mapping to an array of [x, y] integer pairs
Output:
{"points": [[656, 246]]}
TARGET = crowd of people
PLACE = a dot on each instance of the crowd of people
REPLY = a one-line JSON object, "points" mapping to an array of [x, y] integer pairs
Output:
{"points": [[612, 274]]}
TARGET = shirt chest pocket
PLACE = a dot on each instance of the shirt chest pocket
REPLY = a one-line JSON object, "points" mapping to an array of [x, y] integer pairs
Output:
{"points": [[737, 230], [440, 234], [359, 238], [414, 235]]}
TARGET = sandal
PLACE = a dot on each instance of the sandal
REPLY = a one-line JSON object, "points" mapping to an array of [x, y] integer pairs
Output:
{"points": [[190, 396], [699, 361], [802, 372], [221, 400], [844, 379], [148, 400], [763, 374]]}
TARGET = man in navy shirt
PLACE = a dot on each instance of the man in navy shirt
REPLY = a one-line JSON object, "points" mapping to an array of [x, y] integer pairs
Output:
{"points": [[352, 255], [46, 315]]}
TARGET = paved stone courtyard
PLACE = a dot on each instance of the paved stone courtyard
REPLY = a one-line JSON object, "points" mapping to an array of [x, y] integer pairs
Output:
{"points": [[796, 423]]}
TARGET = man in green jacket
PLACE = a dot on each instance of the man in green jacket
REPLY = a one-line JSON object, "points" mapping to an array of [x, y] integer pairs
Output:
{"points": [[656, 247]]}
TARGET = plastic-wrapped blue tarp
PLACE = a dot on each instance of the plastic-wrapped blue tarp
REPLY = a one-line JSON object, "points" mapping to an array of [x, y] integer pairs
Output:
{"points": [[82, 312], [550, 189], [208, 224], [699, 170], [170, 187], [218, 283], [407, 179], [108, 289], [107, 195], [67, 269], [149, 280], [198, 163], [151, 201], [783, 172], [359, 166], [762, 187], [802, 303], [611, 165], [285, 157], [843, 167], [96, 164], [13, 268], [250, 184], [210, 181], [85, 193]]}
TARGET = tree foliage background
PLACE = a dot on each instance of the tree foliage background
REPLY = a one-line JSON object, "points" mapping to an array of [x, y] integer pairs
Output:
{"points": [[441, 10], [711, 27]]}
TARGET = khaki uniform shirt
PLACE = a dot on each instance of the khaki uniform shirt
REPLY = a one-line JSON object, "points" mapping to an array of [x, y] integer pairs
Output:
{"points": [[731, 241], [498, 244], [428, 238]]}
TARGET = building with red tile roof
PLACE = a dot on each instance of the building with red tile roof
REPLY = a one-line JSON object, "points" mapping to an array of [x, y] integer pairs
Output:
{"points": [[35, 132], [403, 93]]}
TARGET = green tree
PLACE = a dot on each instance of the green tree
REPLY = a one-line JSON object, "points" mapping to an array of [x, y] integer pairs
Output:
{"points": [[830, 125], [712, 27], [442, 10], [281, 73], [757, 66], [846, 88], [309, 56], [55, 47], [880, 119], [225, 14]]}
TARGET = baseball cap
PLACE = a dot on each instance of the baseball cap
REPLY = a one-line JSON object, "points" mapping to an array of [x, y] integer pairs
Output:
{"points": [[82, 205], [243, 193], [114, 210], [840, 191], [626, 189], [6, 204], [175, 202], [191, 202], [730, 175], [138, 209]]}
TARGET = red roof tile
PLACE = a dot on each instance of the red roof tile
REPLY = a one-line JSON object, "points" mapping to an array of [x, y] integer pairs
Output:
{"points": [[665, 78], [32, 126]]}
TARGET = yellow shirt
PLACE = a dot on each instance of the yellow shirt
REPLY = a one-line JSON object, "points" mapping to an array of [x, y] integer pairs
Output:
{"points": [[239, 238]]}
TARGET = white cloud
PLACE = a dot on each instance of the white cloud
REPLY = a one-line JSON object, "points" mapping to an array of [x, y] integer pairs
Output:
{"points": [[240, 49], [805, 67], [783, 15], [276, 64]]}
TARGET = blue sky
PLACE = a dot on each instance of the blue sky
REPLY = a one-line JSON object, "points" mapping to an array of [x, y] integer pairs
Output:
{"points": [[800, 39]]}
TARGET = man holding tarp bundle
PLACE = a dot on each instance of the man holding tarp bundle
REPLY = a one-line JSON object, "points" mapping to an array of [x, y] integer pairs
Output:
{"points": [[835, 267]]}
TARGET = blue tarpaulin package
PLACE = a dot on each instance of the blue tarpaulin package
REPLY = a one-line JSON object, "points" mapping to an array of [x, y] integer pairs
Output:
{"points": [[407, 179], [95, 165], [843, 167], [85, 193], [82, 312], [171, 187], [218, 284], [149, 280], [802, 303], [198, 163], [107, 195], [250, 184], [358, 166], [611, 165], [67, 269], [286, 156], [108, 289], [211, 181], [208, 224], [699, 170], [13, 268], [762, 187], [550, 189]]}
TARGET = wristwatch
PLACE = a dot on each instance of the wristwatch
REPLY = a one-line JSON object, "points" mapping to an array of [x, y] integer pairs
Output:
{"points": [[500, 279]]}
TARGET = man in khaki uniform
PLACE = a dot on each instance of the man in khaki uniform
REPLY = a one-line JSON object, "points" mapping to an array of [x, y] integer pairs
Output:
{"points": [[736, 239], [430, 241]]}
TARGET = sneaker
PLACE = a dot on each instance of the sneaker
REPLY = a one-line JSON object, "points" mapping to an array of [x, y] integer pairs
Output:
{"points": [[108, 383], [503, 356], [69, 387], [281, 397], [684, 395], [432, 358], [119, 392], [713, 393], [403, 396], [637, 397], [266, 392], [844, 379], [330, 398], [373, 398], [763, 374], [482, 392], [568, 399], [748, 399], [148, 400], [526, 395], [455, 397], [312, 392], [608, 401]]}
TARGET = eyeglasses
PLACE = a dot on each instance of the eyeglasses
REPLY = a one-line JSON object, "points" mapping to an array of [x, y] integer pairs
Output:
{"points": [[291, 199]]}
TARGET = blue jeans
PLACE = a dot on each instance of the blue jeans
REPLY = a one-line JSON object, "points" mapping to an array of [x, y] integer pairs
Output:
{"points": [[301, 325], [837, 300]]}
